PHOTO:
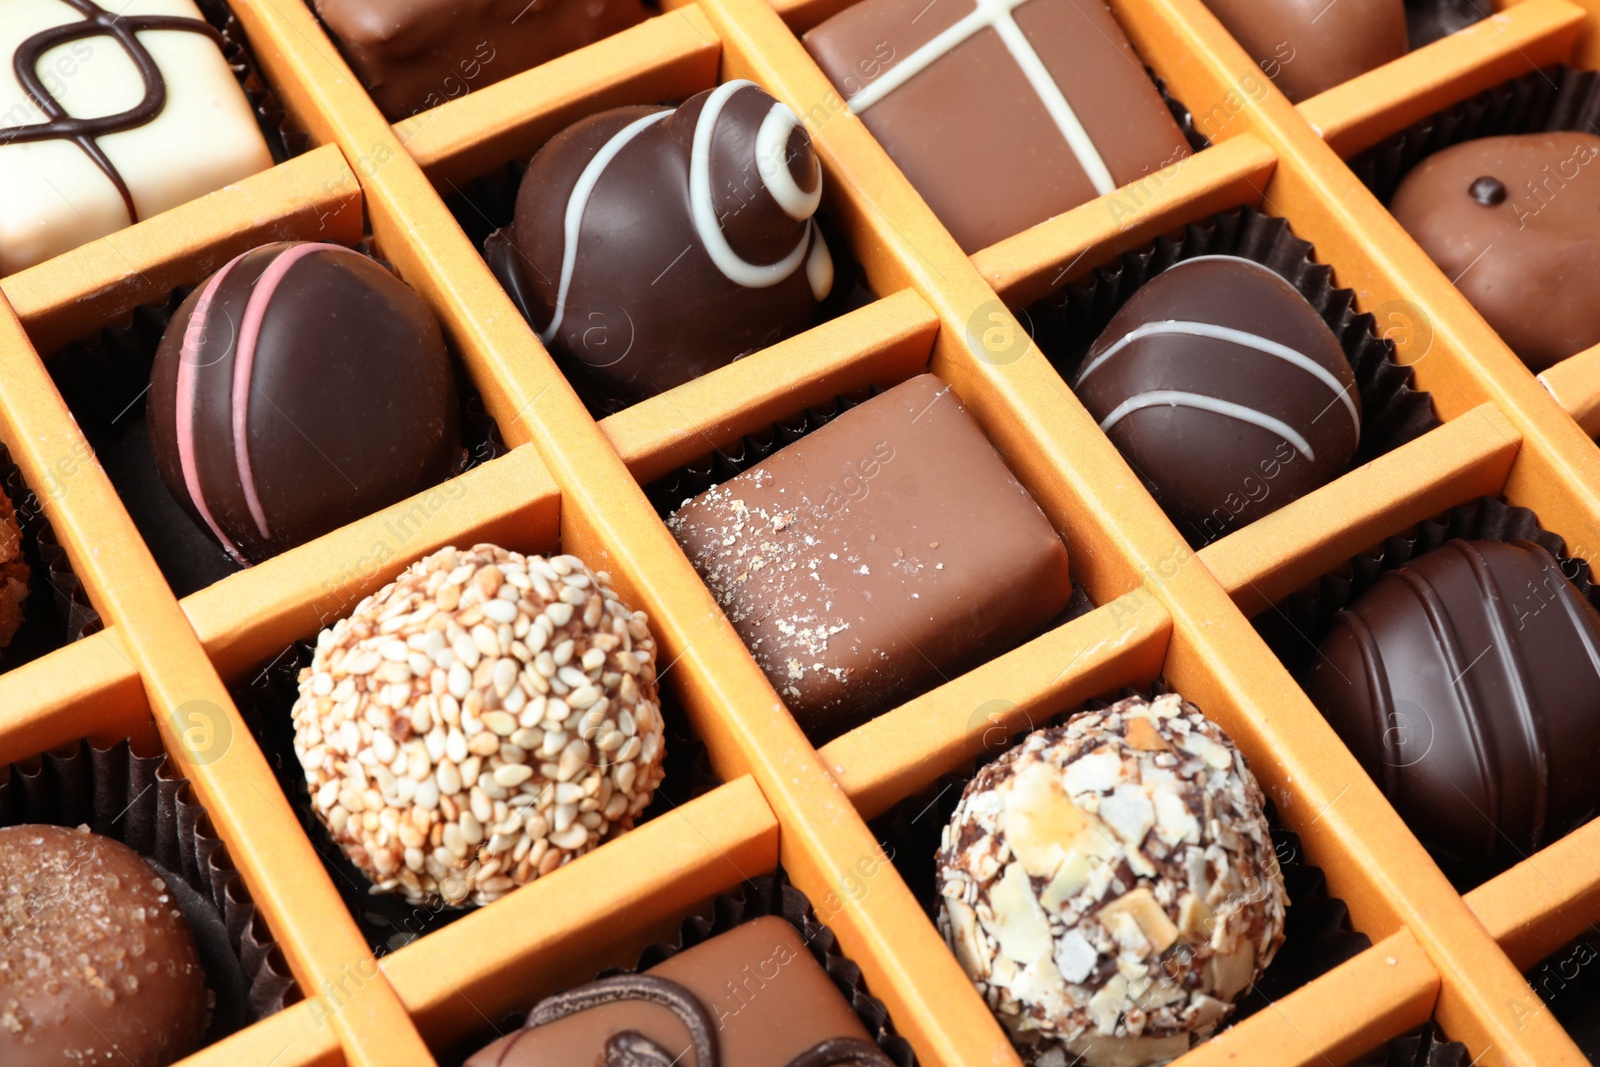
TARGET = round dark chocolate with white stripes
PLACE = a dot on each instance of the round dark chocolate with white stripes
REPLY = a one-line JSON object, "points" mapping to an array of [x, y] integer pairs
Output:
{"points": [[1467, 683], [655, 245], [1226, 392], [299, 388]]}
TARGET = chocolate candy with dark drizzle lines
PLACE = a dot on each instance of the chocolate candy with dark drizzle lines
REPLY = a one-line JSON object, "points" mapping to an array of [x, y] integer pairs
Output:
{"points": [[632, 1049], [124, 29]]}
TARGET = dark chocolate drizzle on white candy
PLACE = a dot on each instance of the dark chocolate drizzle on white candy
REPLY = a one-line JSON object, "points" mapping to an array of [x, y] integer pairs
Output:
{"points": [[59, 125]]}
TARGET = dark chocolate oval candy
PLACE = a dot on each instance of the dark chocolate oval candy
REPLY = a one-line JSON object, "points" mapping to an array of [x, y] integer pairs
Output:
{"points": [[1225, 391], [1467, 683], [299, 388]]}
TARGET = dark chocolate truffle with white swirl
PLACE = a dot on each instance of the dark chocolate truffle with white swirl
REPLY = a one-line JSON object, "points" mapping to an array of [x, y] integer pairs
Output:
{"points": [[1514, 222], [1110, 885], [1225, 390], [299, 388], [652, 245], [1467, 683]]}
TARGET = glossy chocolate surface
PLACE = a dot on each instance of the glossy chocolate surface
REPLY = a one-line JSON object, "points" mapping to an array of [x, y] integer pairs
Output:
{"points": [[991, 147], [1467, 683], [1306, 46], [97, 964], [653, 245], [752, 997], [877, 557], [1225, 390], [299, 388], [1526, 261], [413, 55]]}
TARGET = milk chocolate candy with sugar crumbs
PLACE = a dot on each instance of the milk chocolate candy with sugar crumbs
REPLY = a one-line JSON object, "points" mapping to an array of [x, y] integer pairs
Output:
{"points": [[299, 388], [1467, 683], [1514, 222], [882, 554], [653, 245], [110, 114], [97, 964], [1226, 391], [419, 54], [752, 997], [1306, 46], [1001, 113]]}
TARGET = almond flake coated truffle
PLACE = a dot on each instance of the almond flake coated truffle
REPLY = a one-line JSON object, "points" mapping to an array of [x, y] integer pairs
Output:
{"points": [[1110, 885], [97, 963], [480, 721]]}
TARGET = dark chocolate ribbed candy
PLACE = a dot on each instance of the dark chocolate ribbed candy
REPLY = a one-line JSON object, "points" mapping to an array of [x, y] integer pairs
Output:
{"points": [[301, 387], [1225, 390], [1467, 683], [653, 245]]}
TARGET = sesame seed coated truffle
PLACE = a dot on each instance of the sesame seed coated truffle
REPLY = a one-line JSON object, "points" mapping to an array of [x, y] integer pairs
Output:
{"points": [[480, 721], [1110, 885]]}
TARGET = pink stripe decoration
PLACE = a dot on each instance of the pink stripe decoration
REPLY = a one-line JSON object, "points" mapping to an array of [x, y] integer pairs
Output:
{"points": [[244, 364], [188, 370]]}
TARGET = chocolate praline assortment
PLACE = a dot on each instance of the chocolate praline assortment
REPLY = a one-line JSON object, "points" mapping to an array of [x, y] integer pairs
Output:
{"points": [[1111, 886], [97, 963], [480, 721], [751, 997], [1514, 222], [1001, 113], [1225, 390], [1307, 46], [419, 54], [299, 388], [1467, 684], [872, 559], [653, 245], [14, 572], [110, 114]]}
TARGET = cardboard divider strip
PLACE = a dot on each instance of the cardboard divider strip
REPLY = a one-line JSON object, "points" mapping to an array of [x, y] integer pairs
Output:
{"points": [[313, 196], [1575, 385], [904, 751], [883, 343], [89, 688], [293, 1037], [251, 615], [1466, 458], [1546, 900], [1508, 44], [567, 926], [202, 731]]}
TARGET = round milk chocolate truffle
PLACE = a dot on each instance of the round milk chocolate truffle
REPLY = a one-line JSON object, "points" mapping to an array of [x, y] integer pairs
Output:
{"points": [[1525, 256], [1467, 683], [299, 388], [1226, 392], [1306, 46], [658, 244], [97, 964], [480, 721], [1111, 886]]}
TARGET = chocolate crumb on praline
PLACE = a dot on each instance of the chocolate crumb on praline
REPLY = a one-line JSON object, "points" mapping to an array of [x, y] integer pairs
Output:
{"points": [[480, 721], [1110, 885]]}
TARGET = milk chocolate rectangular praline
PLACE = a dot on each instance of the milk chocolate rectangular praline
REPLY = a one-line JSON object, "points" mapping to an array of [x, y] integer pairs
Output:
{"points": [[881, 555]]}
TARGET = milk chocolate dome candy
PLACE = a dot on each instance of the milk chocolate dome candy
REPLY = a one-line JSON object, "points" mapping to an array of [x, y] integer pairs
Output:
{"points": [[657, 244], [1306, 46], [1467, 683], [1514, 222], [1226, 391], [480, 721], [97, 964], [1110, 885], [299, 388]]}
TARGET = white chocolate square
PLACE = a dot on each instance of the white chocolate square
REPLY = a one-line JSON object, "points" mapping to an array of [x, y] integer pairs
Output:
{"points": [[53, 196]]}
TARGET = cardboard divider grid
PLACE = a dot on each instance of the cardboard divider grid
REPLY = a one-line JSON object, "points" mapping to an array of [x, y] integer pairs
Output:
{"points": [[1163, 610]]}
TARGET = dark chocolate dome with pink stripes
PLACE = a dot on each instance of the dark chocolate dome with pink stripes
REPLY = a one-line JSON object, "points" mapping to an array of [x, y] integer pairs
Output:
{"points": [[1467, 683], [299, 388]]}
